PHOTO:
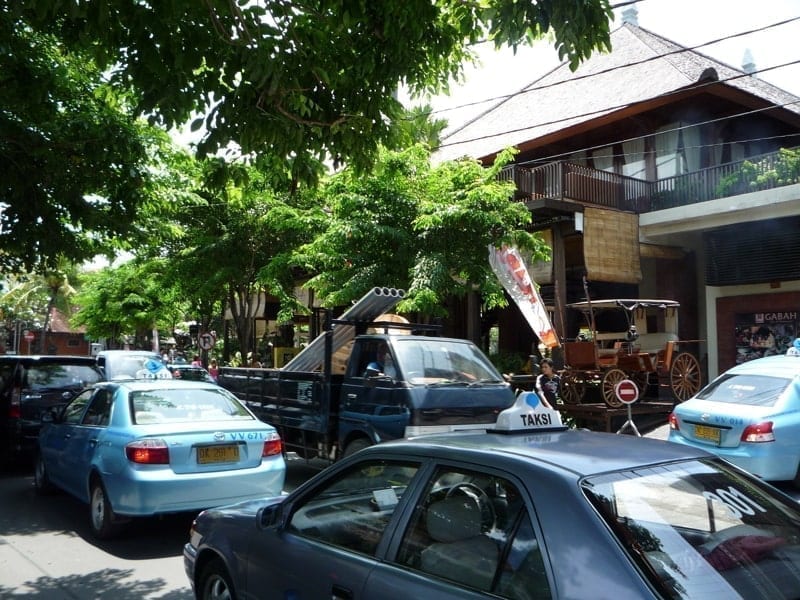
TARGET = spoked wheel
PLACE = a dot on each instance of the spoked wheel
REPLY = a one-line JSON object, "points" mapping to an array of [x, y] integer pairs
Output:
{"points": [[642, 381], [610, 380], [572, 389], [684, 376]]}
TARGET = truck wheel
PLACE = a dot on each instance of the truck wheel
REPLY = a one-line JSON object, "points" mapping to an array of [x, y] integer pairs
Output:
{"points": [[356, 445]]}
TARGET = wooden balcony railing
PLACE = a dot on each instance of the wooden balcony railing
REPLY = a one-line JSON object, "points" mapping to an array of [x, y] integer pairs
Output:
{"points": [[564, 180]]}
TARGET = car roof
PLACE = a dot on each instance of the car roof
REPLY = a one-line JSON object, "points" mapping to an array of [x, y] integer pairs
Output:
{"points": [[580, 452], [774, 366], [128, 353], [49, 358], [158, 384]]}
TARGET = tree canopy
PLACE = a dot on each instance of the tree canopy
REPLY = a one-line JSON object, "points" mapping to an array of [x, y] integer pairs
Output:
{"points": [[413, 226], [73, 162], [300, 77]]}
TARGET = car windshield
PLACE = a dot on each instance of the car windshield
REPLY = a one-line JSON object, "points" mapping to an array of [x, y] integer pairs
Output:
{"points": [[44, 376], [179, 405], [753, 390], [135, 366], [702, 529], [191, 373], [441, 361]]}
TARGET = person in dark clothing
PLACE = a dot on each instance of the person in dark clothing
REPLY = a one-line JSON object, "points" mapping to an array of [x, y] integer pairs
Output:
{"points": [[548, 384]]}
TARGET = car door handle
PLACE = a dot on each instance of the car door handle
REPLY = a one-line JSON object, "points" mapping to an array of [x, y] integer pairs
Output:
{"points": [[340, 593], [352, 396], [92, 443]]}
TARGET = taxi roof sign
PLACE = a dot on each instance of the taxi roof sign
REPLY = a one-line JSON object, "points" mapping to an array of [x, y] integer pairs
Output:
{"points": [[527, 415]]}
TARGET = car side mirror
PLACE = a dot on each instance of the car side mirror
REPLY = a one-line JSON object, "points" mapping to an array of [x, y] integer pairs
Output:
{"points": [[48, 416], [372, 372], [270, 516]]}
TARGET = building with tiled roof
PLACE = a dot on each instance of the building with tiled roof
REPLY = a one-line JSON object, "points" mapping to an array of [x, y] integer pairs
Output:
{"points": [[656, 171]]}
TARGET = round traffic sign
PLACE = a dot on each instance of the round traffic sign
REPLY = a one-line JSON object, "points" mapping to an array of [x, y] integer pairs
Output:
{"points": [[206, 341], [29, 335], [627, 392]]}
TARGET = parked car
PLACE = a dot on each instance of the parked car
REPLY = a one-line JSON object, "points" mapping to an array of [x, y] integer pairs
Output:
{"points": [[132, 364], [750, 416], [190, 372], [30, 385], [528, 510], [157, 446]]}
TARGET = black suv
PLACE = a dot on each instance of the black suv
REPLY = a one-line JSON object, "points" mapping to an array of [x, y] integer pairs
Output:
{"points": [[30, 385]]}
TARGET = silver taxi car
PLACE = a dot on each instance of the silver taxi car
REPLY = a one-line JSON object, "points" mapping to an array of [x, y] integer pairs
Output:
{"points": [[530, 510]]}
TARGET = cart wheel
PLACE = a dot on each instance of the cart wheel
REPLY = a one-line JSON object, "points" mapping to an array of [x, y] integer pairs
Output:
{"points": [[572, 389], [642, 381], [610, 380], [684, 376]]}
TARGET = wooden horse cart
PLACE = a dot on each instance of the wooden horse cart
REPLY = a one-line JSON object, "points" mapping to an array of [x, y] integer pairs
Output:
{"points": [[642, 345]]}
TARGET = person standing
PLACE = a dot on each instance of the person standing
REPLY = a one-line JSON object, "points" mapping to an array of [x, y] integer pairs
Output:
{"points": [[213, 369], [548, 383]]}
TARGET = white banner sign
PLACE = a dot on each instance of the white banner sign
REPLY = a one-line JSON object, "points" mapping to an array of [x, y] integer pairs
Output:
{"points": [[510, 269]]}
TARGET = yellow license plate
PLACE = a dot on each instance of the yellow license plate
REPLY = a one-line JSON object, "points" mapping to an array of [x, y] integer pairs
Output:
{"points": [[712, 434], [217, 454]]}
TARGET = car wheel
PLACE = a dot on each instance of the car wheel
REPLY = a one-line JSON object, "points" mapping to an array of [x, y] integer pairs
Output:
{"points": [[101, 515], [356, 445], [215, 583], [41, 480]]}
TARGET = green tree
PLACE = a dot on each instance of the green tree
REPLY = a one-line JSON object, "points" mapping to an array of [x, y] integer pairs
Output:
{"points": [[73, 162], [234, 246], [32, 297], [129, 300], [301, 77], [410, 225]]}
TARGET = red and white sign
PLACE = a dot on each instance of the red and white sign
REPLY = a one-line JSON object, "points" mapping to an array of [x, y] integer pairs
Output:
{"points": [[627, 392], [206, 341], [29, 336], [507, 264]]}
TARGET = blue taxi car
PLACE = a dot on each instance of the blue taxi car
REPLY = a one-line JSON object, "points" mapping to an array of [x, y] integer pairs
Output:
{"points": [[749, 415], [155, 446], [529, 510]]}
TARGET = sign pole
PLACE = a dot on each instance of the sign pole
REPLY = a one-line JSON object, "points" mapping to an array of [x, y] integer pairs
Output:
{"points": [[627, 392]]}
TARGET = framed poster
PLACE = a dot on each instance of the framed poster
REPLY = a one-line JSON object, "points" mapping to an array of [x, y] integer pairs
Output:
{"points": [[764, 334]]}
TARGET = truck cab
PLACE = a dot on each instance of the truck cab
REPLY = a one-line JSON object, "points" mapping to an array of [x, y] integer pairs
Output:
{"points": [[436, 385]]}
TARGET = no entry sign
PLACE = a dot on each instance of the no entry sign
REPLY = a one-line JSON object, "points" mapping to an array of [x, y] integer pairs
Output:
{"points": [[626, 391]]}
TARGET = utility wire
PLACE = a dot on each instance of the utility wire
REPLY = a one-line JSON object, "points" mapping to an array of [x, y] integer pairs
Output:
{"points": [[528, 89], [620, 106]]}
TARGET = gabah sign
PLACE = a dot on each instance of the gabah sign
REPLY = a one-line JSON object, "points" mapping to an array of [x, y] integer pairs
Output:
{"points": [[626, 391]]}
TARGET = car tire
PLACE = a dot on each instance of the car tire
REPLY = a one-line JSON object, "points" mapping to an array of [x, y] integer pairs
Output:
{"points": [[102, 519], [41, 480], [356, 445], [214, 582]]}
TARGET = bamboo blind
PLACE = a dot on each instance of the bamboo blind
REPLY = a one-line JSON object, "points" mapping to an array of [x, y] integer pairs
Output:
{"points": [[611, 246]]}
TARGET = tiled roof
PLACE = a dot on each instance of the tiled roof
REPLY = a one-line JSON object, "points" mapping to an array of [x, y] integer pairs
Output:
{"points": [[641, 67], [59, 323]]}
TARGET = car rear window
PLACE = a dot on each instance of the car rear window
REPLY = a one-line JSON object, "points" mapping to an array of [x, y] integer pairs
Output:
{"points": [[753, 390], [177, 405], [49, 376], [701, 529]]}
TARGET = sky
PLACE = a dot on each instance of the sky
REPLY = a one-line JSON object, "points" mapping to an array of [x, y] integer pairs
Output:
{"points": [[686, 22]]}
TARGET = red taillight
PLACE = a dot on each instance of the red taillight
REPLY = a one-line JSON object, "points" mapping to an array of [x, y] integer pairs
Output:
{"points": [[673, 422], [148, 452], [760, 432], [14, 412], [272, 446]]}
